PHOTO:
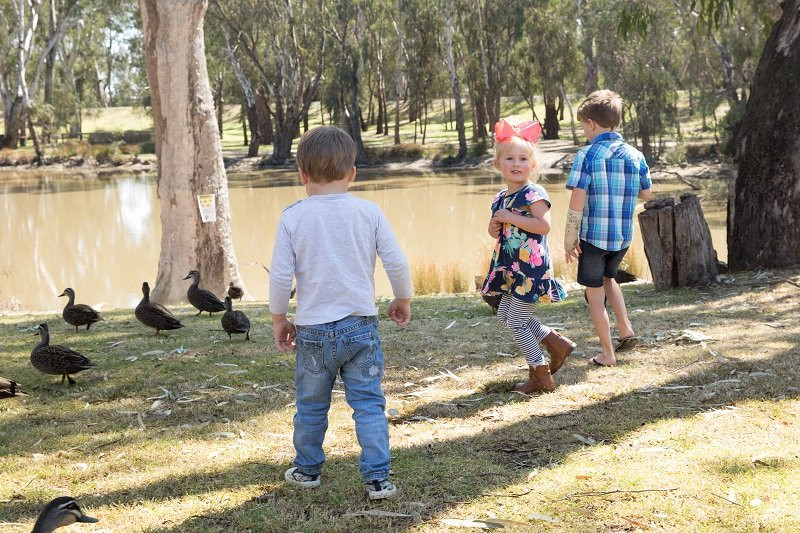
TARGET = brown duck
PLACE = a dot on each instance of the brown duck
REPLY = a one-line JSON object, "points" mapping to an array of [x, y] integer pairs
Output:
{"points": [[202, 299], [235, 292], [57, 360], [10, 389], [235, 321], [80, 314], [155, 315]]}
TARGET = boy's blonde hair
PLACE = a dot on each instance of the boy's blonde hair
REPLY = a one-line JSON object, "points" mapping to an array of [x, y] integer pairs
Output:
{"points": [[604, 107], [502, 148], [326, 154]]}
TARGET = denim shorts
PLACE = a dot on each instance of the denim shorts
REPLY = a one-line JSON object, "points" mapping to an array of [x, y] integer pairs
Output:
{"points": [[595, 263]]}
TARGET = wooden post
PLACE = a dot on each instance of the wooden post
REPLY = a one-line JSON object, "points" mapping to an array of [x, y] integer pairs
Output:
{"points": [[677, 242]]}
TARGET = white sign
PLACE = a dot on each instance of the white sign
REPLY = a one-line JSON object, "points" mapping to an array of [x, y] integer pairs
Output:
{"points": [[208, 207]]}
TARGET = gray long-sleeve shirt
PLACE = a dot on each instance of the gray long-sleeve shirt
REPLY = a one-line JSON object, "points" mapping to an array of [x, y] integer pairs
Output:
{"points": [[329, 242]]}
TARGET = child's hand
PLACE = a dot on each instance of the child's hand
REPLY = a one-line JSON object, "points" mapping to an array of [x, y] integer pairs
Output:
{"points": [[400, 311], [504, 216], [284, 332], [573, 254], [495, 226]]}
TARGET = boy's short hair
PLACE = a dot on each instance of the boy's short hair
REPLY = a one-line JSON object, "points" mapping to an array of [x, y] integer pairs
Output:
{"points": [[604, 107], [326, 154]]}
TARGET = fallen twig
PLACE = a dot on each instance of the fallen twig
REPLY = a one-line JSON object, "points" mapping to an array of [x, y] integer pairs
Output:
{"points": [[508, 495], [726, 499], [605, 492]]}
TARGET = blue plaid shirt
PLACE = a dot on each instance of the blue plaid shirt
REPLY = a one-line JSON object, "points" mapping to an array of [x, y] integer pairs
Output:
{"points": [[612, 173]]}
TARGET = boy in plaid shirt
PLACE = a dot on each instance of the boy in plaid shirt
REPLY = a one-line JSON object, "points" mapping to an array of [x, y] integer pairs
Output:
{"points": [[606, 179]]}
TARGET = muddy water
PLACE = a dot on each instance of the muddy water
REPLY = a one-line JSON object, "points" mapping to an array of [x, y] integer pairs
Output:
{"points": [[100, 235]]}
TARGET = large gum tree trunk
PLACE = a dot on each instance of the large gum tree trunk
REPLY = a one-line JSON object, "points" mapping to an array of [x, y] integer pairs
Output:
{"points": [[764, 194], [188, 151]]}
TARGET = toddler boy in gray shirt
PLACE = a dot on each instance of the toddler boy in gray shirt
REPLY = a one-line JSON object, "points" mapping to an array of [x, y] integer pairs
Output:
{"points": [[329, 242]]}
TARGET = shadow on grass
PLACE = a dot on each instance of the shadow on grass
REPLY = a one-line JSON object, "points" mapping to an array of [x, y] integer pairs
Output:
{"points": [[434, 472]]}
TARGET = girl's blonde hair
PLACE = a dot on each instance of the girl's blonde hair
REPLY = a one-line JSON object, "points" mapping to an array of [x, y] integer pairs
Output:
{"points": [[502, 148]]}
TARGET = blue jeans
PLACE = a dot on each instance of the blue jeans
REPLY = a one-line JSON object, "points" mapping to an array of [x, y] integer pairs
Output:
{"points": [[349, 347]]}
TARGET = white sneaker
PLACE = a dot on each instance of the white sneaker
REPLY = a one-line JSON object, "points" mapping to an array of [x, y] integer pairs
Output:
{"points": [[380, 489], [296, 477]]}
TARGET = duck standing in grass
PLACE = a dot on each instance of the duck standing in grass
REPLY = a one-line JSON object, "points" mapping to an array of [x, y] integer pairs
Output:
{"points": [[235, 292], [61, 512], [10, 389], [57, 360], [155, 315], [202, 299], [80, 314], [235, 321]]}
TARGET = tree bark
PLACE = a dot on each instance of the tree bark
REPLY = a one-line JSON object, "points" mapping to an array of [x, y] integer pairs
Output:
{"points": [[764, 192], [550, 116], [188, 151]]}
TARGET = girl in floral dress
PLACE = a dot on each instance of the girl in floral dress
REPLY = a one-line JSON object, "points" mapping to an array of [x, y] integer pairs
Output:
{"points": [[520, 269]]}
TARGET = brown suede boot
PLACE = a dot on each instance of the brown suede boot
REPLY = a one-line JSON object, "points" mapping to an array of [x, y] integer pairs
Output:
{"points": [[559, 347], [539, 380]]}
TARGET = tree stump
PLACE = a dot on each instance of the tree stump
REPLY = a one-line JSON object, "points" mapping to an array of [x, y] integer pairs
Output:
{"points": [[677, 242]]}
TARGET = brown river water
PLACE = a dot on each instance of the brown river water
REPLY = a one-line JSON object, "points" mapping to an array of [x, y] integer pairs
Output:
{"points": [[100, 234]]}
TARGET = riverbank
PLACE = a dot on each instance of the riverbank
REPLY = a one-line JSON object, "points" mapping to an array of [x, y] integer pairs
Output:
{"points": [[191, 431]]}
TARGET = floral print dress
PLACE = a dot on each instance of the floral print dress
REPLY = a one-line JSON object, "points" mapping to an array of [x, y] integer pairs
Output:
{"points": [[521, 261]]}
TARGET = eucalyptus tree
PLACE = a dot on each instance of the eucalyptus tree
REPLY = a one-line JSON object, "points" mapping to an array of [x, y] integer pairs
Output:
{"points": [[347, 21], [284, 45], [448, 7], [188, 151], [549, 43], [643, 69]]}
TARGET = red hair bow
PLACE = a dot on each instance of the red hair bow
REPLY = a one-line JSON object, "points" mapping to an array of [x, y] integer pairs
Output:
{"points": [[530, 130]]}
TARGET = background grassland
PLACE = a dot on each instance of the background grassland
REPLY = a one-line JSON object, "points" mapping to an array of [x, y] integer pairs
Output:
{"points": [[192, 432]]}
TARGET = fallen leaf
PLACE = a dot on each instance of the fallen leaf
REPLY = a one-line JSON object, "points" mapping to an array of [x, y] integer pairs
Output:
{"points": [[131, 358], [583, 477], [450, 325], [154, 352]]}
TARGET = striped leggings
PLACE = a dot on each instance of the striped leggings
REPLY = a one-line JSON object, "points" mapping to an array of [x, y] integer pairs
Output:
{"points": [[517, 316]]}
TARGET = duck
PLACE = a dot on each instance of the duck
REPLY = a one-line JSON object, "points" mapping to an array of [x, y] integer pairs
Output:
{"points": [[235, 292], [10, 389], [202, 299], [80, 314], [57, 360], [61, 512], [235, 321], [155, 315]]}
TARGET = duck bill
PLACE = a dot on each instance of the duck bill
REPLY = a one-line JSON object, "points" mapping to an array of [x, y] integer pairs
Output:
{"points": [[62, 294], [187, 277], [88, 519]]}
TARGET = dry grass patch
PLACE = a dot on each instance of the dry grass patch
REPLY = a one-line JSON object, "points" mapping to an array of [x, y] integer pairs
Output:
{"points": [[192, 432]]}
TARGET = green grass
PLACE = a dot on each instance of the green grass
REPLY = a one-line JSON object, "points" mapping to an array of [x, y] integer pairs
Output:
{"points": [[178, 439]]}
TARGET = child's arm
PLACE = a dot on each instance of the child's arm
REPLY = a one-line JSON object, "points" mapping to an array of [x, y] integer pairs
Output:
{"points": [[572, 229], [281, 274], [396, 267], [539, 222]]}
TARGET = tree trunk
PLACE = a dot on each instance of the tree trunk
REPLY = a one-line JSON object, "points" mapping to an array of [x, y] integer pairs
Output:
{"points": [[764, 192], [550, 117], [454, 85], [677, 243], [188, 151], [219, 101]]}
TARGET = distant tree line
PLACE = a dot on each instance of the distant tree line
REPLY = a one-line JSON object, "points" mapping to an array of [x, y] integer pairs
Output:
{"points": [[377, 64]]}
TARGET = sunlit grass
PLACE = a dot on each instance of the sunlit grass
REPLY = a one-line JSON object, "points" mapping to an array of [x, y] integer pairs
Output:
{"points": [[192, 432]]}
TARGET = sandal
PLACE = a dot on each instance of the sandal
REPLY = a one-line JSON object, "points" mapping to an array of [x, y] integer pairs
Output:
{"points": [[626, 344], [594, 361]]}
